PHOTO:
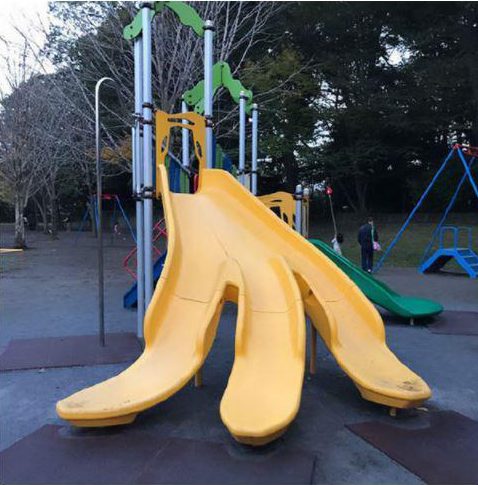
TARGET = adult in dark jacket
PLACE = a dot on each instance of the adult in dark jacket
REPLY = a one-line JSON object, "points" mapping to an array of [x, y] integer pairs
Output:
{"points": [[366, 236]]}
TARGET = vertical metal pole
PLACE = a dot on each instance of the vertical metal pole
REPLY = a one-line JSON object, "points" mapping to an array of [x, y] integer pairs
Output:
{"points": [[255, 126], [185, 138], [138, 183], [208, 89], [242, 137], [298, 209], [99, 198], [147, 154], [305, 213], [332, 212]]}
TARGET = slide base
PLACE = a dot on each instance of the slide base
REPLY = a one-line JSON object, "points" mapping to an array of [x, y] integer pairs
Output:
{"points": [[99, 423], [389, 401]]}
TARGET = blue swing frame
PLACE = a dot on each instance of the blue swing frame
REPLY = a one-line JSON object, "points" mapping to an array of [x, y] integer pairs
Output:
{"points": [[455, 149]]}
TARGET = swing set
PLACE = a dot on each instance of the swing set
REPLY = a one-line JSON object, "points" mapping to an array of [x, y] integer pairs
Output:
{"points": [[463, 254], [117, 206]]}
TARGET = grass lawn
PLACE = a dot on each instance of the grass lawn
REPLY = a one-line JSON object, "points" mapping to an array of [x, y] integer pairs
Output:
{"points": [[407, 253]]}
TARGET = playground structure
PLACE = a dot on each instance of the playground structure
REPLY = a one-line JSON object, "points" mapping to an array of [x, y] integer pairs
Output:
{"points": [[464, 256], [245, 254], [241, 253], [283, 205], [462, 253], [117, 207]]}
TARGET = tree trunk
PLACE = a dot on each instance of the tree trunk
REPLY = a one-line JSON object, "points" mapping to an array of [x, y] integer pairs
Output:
{"points": [[291, 171], [20, 238], [44, 213], [41, 208], [361, 193], [53, 213]]}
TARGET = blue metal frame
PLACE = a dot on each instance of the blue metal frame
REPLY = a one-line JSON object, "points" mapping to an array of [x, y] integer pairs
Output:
{"points": [[437, 230], [95, 208], [424, 196], [455, 230]]}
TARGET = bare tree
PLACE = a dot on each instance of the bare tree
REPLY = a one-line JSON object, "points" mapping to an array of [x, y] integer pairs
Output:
{"points": [[19, 165]]}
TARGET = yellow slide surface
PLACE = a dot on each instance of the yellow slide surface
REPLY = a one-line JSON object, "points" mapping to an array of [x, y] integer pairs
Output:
{"points": [[224, 244]]}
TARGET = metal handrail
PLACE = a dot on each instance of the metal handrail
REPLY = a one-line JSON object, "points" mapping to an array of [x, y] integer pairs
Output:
{"points": [[456, 231]]}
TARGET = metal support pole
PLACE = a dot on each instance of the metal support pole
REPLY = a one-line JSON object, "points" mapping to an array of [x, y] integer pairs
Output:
{"points": [[208, 89], [415, 209], [468, 171], [313, 349], [298, 209], [138, 183], [242, 137], [305, 212], [148, 189], [185, 138], [99, 197], [255, 126]]}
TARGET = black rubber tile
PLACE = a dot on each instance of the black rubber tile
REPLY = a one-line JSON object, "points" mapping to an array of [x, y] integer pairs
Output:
{"points": [[192, 462], [78, 350], [54, 455], [441, 448], [455, 323], [57, 455]]}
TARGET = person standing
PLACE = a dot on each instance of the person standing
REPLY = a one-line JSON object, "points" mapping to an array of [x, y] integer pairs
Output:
{"points": [[368, 240]]}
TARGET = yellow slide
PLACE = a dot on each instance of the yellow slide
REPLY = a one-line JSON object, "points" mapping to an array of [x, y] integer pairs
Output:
{"points": [[224, 244]]}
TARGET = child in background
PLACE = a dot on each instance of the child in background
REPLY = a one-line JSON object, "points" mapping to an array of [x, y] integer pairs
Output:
{"points": [[336, 242]]}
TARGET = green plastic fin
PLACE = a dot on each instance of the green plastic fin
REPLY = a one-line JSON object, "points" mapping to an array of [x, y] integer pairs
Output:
{"points": [[187, 16], [132, 30], [195, 95], [234, 86], [221, 77]]}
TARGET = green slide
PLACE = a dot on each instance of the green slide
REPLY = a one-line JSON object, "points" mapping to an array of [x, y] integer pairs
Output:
{"points": [[379, 292]]}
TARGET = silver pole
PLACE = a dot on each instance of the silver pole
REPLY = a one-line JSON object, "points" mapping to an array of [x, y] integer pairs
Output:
{"points": [[99, 198], [255, 126], [242, 137], [147, 154], [138, 183], [208, 88], [185, 138], [305, 213], [298, 209]]}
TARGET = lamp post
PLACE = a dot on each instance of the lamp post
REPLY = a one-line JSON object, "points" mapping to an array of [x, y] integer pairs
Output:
{"points": [[99, 197]]}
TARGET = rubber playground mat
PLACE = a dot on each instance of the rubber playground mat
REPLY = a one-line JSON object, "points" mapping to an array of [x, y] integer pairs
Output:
{"points": [[455, 323], [71, 351], [448, 322], [56, 455], [439, 447]]}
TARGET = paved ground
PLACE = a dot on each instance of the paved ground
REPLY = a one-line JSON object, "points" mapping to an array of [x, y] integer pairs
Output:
{"points": [[50, 290]]}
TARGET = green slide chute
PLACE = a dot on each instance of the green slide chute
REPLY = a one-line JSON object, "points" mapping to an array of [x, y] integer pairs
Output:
{"points": [[221, 77], [378, 292]]}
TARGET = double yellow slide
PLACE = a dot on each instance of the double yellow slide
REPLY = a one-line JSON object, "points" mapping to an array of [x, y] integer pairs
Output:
{"points": [[224, 244]]}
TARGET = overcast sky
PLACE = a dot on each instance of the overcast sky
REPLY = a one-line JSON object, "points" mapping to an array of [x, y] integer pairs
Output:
{"points": [[22, 14]]}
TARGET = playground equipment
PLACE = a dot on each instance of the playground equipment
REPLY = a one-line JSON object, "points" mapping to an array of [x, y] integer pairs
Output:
{"points": [[222, 78], [378, 292], [462, 153], [117, 208], [463, 255], [282, 204], [243, 253]]}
